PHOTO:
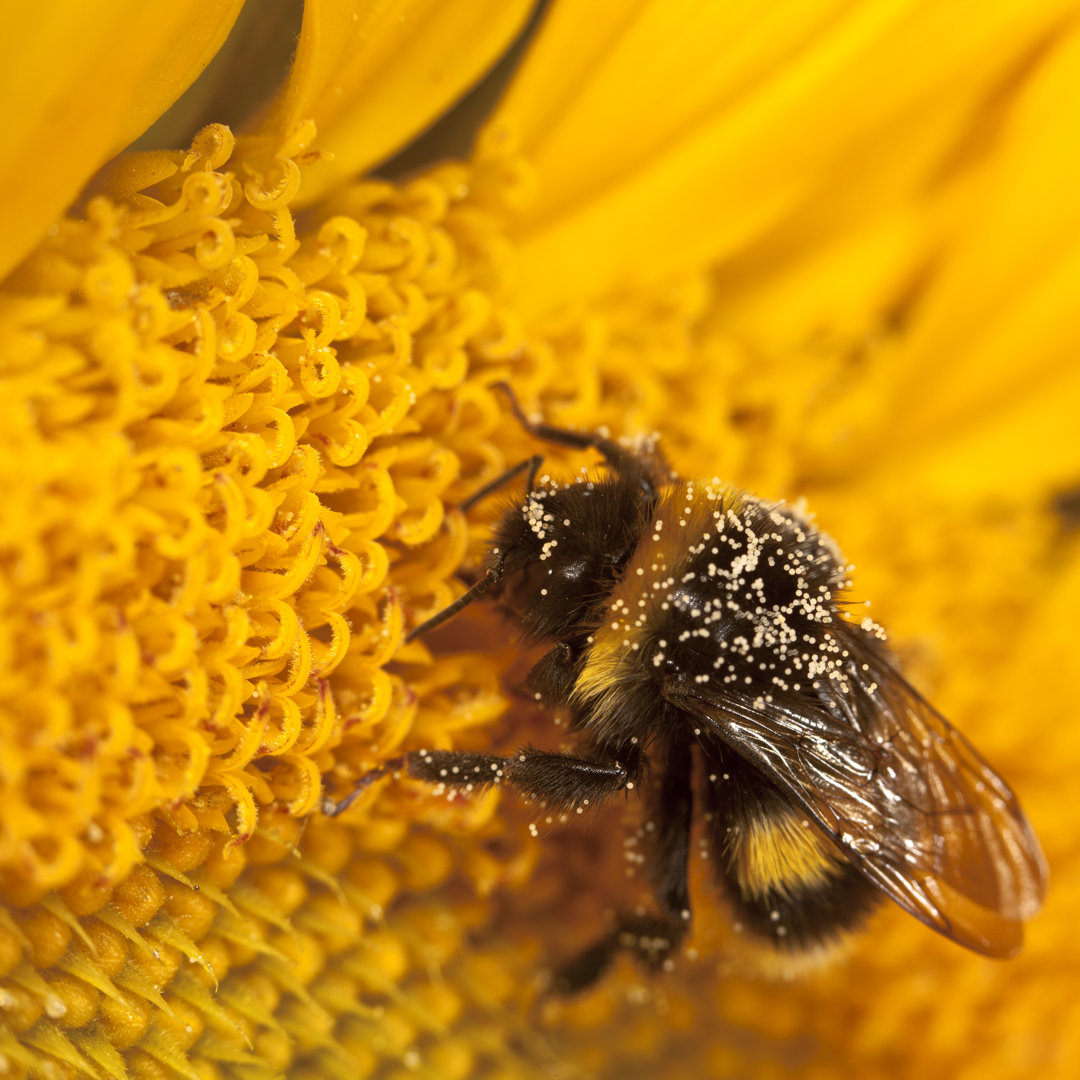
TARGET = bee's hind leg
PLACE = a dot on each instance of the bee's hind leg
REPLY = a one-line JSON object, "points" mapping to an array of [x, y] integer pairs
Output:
{"points": [[652, 938]]}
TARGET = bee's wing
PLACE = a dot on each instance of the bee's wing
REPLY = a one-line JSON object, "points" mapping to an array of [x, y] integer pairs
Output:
{"points": [[904, 795]]}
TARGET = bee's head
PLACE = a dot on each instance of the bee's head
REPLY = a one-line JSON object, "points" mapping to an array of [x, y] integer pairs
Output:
{"points": [[559, 553]]}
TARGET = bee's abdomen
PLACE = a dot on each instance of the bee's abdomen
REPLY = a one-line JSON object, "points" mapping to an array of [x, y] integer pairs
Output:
{"points": [[788, 883], [800, 916]]}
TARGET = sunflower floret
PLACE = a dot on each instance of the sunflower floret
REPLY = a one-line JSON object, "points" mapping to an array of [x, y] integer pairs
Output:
{"points": [[222, 496]]}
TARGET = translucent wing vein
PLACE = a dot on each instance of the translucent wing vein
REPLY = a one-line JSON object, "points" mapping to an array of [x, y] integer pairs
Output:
{"points": [[903, 794]]}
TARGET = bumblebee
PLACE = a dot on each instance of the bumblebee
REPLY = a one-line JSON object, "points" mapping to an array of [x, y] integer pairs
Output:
{"points": [[685, 619]]}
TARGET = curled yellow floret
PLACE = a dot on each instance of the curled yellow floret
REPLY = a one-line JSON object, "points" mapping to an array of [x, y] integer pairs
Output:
{"points": [[225, 495]]}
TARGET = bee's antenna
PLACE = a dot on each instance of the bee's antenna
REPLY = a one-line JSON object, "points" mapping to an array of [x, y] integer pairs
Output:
{"points": [[618, 457], [576, 440], [464, 600], [532, 464]]}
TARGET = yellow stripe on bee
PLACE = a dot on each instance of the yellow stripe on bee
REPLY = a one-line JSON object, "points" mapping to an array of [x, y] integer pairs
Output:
{"points": [[783, 852], [604, 664]]}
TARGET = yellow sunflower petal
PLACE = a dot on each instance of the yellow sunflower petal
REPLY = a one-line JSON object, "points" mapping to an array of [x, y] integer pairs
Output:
{"points": [[371, 76], [78, 82], [993, 357], [736, 122]]}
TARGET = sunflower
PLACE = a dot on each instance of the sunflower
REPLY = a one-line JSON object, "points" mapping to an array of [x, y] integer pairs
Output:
{"points": [[827, 249]]}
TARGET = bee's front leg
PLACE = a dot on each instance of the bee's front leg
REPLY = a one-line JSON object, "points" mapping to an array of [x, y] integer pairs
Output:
{"points": [[561, 782]]}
